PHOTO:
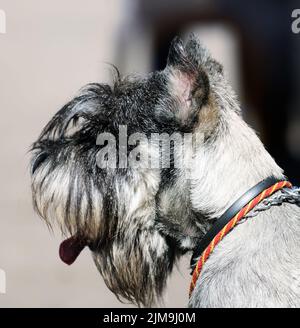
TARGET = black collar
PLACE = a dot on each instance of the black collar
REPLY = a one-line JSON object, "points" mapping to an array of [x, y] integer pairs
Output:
{"points": [[229, 214]]}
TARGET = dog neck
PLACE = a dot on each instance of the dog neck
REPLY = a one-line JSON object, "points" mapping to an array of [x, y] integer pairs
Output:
{"points": [[258, 257], [226, 169]]}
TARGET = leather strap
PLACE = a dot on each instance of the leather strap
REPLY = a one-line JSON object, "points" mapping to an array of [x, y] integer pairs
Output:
{"points": [[229, 214]]}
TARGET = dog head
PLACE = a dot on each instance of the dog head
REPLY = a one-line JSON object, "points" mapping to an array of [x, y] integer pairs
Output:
{"points": [[136, 219]]}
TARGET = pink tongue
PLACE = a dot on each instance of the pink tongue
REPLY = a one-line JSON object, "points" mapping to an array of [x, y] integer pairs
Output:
{"points": [[70, 249]]}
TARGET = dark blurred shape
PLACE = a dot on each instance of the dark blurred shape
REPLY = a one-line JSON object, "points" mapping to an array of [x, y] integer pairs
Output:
{"points": [[267, 56]]}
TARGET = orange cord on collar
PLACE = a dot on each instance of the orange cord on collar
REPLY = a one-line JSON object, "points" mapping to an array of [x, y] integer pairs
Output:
{"points": [[242, 213]]}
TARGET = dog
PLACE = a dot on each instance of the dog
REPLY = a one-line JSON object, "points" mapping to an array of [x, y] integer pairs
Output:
{"points": [[138, 220]]}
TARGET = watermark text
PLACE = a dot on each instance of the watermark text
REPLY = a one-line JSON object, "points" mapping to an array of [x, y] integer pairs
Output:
{"points": [[2, 282], [138, 150], [296, 22], [2, 22]]}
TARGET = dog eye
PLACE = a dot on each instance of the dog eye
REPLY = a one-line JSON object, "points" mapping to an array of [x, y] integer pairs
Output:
{"points": [[38, 161]]}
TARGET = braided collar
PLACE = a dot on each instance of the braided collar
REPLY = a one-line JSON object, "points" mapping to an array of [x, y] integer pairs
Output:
{"points": [[229, 219]]}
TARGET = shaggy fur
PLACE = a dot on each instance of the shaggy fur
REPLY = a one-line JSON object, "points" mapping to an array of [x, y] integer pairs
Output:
{"points": [[138, 221]]}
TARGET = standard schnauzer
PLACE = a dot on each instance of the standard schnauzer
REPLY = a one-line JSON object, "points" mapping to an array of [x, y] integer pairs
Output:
{"points": [[232, 206]]}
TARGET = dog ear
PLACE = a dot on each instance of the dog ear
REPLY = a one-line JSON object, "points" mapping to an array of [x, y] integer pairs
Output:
{"points": [[177, 56], [187, 83]]}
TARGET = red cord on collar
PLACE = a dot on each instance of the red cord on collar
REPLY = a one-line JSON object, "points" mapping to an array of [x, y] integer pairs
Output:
{"points": [[230, 225]]}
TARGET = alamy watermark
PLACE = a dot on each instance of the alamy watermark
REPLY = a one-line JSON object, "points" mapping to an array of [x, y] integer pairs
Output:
{"points": [[2, 282], [2, 22], [155, 151], [296, 22]]}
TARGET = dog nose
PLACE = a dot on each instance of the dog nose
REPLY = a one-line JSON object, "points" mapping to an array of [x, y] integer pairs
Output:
{"points": [[38, 161]]}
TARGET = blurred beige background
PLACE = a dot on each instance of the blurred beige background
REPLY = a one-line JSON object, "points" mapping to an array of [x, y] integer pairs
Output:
{"points": [[50, 50]]}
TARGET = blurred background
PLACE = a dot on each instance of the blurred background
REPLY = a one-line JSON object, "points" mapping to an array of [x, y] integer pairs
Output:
{"points": [[52, 48]]}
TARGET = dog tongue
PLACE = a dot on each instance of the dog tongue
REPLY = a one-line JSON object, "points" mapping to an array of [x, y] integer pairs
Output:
{"points": [[70, 249]]}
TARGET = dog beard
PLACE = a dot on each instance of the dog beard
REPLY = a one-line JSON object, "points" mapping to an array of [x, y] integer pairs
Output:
{"points": [[136, 265]]}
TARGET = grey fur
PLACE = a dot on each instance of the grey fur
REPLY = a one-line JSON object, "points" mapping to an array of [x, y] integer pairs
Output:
{"points": [[286, 195], [138, 221]]}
